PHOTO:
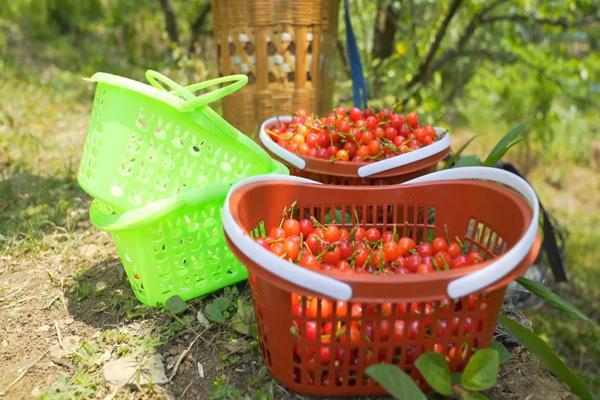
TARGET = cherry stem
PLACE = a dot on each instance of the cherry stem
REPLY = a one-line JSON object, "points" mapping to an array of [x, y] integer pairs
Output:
{"points": [[447, 234], [316, 222]]}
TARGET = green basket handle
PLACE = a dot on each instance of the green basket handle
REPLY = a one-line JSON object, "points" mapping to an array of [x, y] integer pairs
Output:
{"points": [[157, 80]]}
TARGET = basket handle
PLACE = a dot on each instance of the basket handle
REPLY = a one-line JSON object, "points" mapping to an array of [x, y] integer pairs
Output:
{"points": [[276, 149], [157, 80], [403, 159], [505, 263], [284, 269]]}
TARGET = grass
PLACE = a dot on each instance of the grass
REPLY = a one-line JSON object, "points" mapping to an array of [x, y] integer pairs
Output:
{"points": [[45, 236]]}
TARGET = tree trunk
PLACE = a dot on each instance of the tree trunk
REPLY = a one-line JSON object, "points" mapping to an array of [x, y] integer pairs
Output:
{"points": [[385, 30], [170, 20]]}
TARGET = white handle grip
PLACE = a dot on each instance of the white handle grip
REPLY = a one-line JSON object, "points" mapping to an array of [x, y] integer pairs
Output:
{"points": [[403, 159], [508, 261], [275, 148], [286, 270]]}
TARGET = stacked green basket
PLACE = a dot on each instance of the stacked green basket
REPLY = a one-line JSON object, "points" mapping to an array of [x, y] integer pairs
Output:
{"points": [[158, 164]]}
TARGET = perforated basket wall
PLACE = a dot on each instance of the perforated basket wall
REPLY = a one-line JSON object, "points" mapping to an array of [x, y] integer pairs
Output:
{"points": [[390, 332], [287, 48], [139, 149], [181, 253]]}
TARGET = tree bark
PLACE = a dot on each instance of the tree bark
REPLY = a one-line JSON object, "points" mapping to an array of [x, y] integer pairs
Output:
{"points": [[170, 20], [385, 30], [196, 26]]}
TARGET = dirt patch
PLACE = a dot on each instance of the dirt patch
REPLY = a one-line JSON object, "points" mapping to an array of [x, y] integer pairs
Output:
{"points": [[523, 377], [34, 311]]}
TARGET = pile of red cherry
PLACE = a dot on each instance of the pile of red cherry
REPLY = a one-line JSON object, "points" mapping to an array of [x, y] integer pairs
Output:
{"points": [[355, 135], [362, 250]]}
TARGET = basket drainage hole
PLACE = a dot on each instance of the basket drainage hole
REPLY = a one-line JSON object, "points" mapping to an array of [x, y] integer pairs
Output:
{"points": [[195, 148]]}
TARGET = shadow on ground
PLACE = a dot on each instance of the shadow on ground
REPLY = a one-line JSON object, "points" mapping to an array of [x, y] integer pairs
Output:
{"points": [[32, 205], [101, 296]]}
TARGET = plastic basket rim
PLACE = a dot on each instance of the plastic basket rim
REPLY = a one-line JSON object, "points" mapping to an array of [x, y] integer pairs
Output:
{"points": [[413, 277], [499, 269]]}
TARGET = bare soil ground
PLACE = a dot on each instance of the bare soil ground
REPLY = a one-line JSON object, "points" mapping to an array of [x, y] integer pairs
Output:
{"points": [[66, 307]]}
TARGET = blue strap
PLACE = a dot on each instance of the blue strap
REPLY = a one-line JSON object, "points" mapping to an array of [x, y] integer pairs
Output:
{"points": [[359, 86]]}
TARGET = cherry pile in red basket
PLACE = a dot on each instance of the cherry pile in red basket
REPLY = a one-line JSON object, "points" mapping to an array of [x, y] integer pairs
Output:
{"points": [[362, 250], [355, 135]]}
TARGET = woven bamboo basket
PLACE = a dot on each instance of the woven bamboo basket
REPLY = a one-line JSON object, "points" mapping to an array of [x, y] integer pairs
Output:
{"points": [[287, 49]]}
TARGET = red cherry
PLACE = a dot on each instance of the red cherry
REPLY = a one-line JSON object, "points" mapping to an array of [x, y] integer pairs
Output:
{"points": [[425, 269], [306, 226], [387, 236], [474, 257], [332, 257], [412, 262], [459, 262], [355, 114], [342, 155], [277, 233], [391, 251], [359, 234], [390, 133], [412, 119], [425, 249], [372, 234], [406, 244], [310, 261], [439, 244], [346, 249], [454, 250], [374, 147], [313, 243], [332, 233], [372, 123], [291, 247], [291, 226]]}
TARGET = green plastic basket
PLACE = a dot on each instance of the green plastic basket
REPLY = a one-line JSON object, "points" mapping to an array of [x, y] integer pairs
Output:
{"points": [[175, 246], [145, 143]]}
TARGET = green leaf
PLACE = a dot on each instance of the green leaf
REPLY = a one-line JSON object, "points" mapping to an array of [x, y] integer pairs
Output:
{"points": [[243, 319], [545, 354], [435, 370], [338, 218], [457, 153], [513, 137], [216, 308], [467, 161], [552, 298], [175, 305], [502, 352], [395, 381], [481, 371]]}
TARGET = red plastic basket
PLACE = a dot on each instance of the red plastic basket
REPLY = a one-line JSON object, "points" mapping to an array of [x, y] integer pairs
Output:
{"points": [[397, 317], [392, 170]]}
